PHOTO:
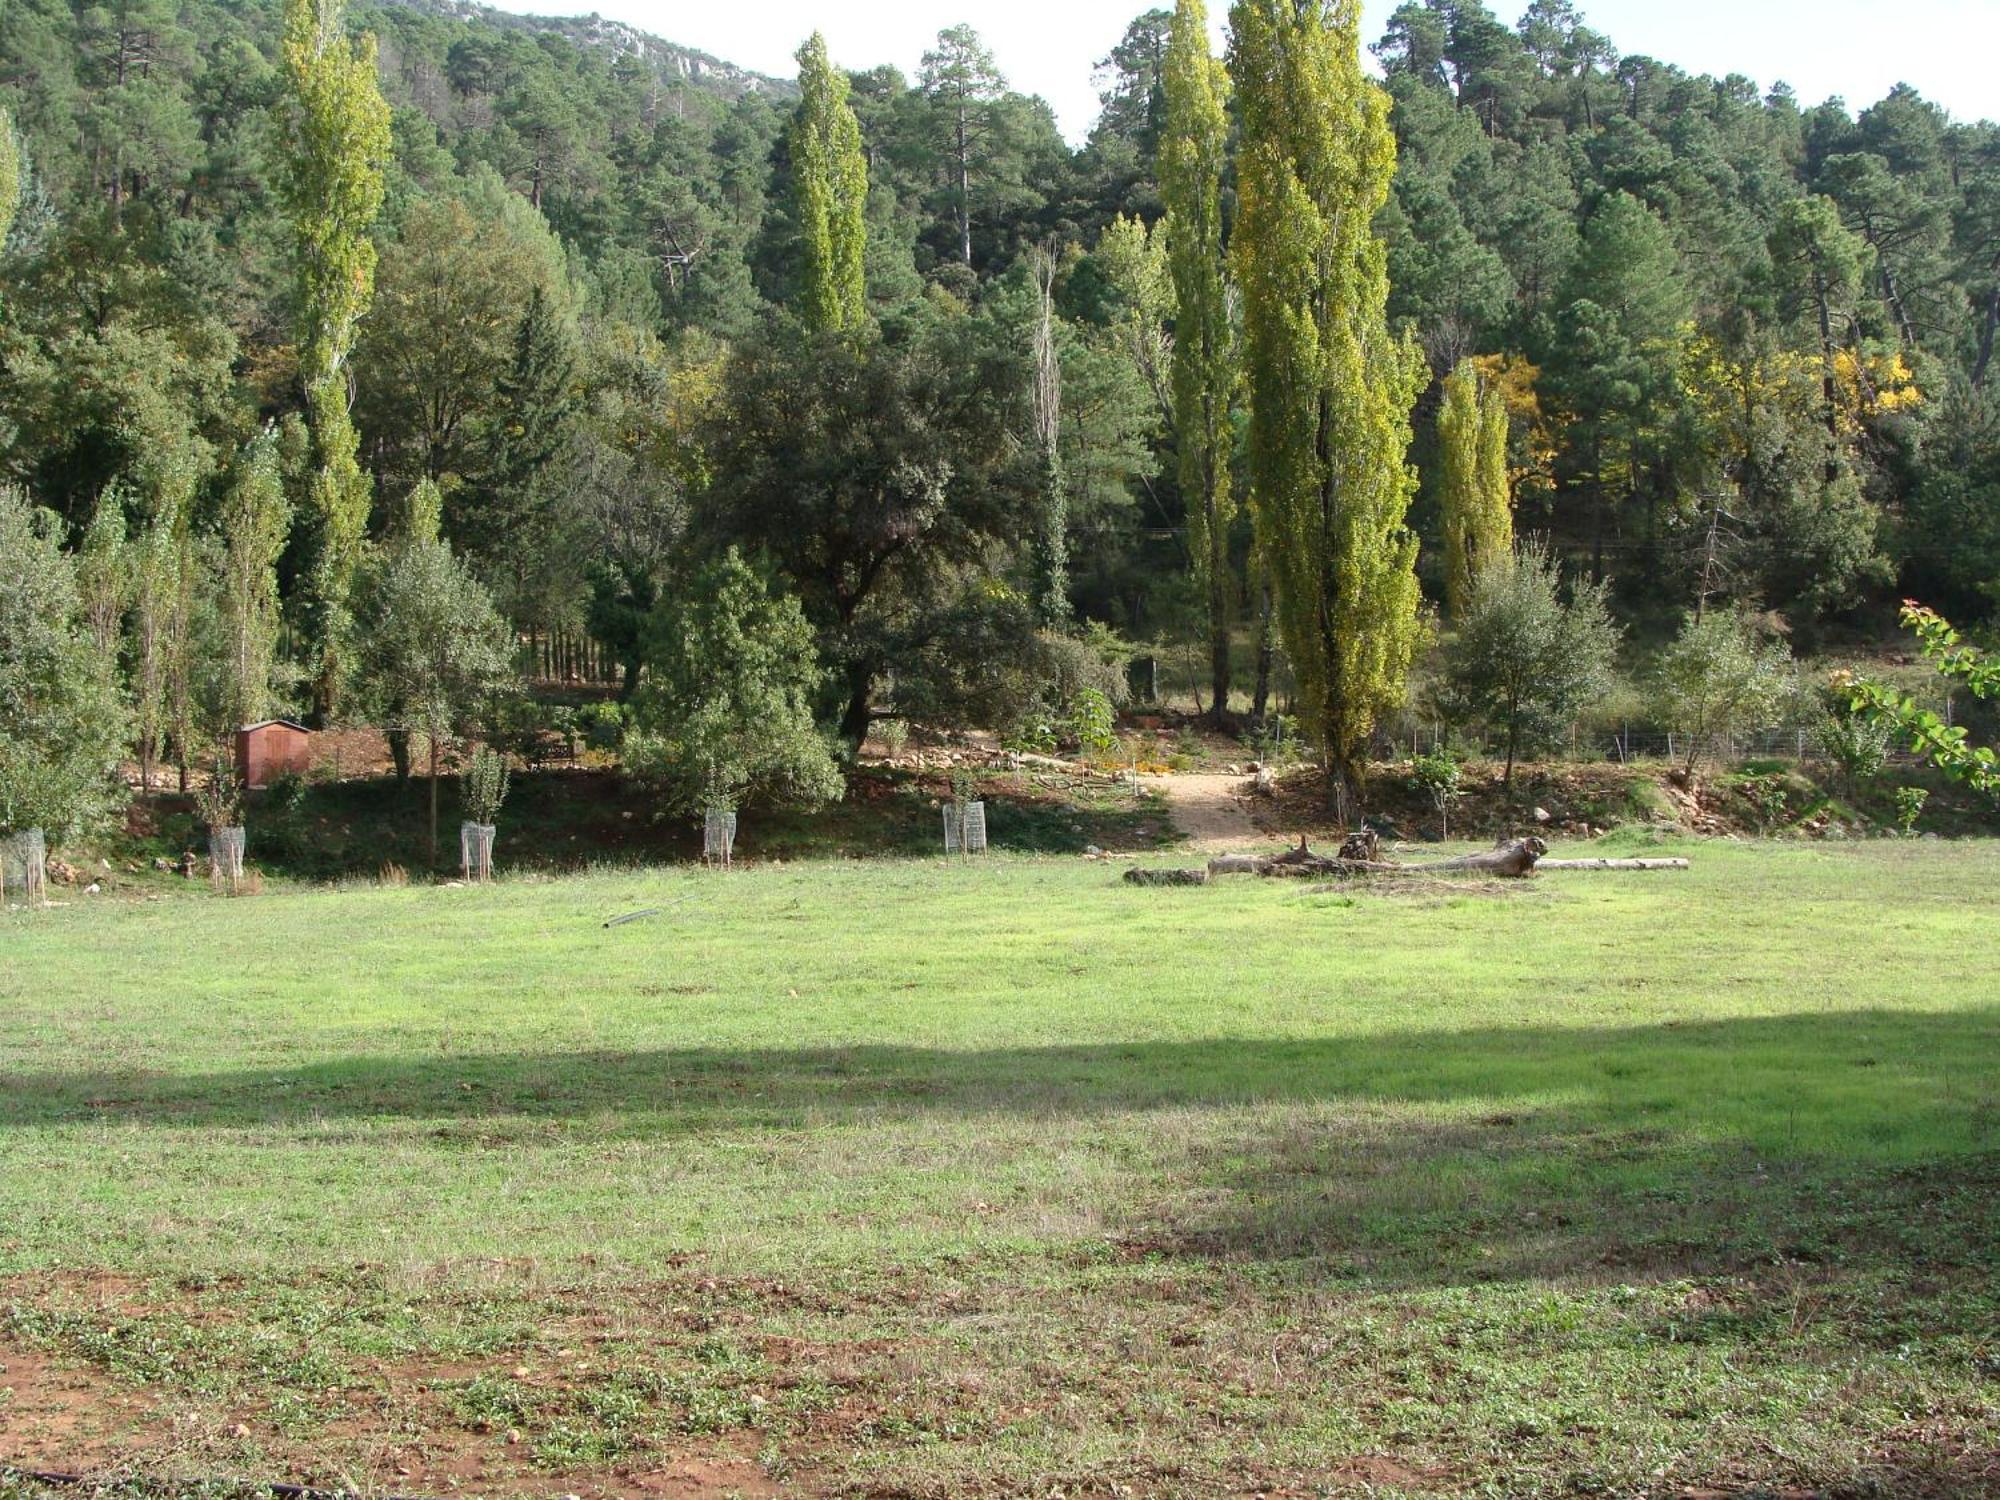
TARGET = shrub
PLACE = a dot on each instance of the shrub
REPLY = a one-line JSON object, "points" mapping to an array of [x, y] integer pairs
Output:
{"points": [[1438, 776], [1525, 662], [1856, 745], [1719, 677], [1910, 802]]}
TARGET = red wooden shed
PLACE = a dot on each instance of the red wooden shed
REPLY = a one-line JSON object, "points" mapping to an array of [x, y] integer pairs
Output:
{"points": [[266, 751]]}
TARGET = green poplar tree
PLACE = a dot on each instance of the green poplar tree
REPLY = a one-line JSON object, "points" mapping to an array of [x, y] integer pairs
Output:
{"points": [[1193, 153], [1473, 489], [1050, 547], [337, 147], [10, 174], [1330, 388], [829, 194], [254, 523]]}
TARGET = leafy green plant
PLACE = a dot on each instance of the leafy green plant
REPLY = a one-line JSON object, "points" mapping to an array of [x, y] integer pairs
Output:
{"points": [[1438, 776], [1910, 802], [1768, 793], [483, 785], [219, 801], [602, 724], [1091, 723], [1944, 745], [1854, 743]]}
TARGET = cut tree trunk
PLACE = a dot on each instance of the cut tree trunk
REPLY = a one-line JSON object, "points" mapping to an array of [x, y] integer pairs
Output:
{"points": [[1612, 864], [1136, 876]]}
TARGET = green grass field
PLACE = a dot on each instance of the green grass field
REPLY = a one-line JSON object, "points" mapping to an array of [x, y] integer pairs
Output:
{"points": [[897, 1178]]}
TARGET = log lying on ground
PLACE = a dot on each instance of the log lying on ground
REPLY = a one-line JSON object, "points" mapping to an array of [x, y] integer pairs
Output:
{"points": [[1359, 855], [1612, 864], [1137, 876]]}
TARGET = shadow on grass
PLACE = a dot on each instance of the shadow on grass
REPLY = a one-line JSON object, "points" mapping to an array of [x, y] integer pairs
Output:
{"points": [[1416, 1155]]}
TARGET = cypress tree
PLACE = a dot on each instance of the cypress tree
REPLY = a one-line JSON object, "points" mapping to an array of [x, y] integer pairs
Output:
{"points": [[338, 144], [1330, 388], [1473, 492], [829, 194], [1193, 149]]}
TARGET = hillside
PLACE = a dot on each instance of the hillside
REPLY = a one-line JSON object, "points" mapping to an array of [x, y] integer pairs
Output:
{"points": [[668, 61]]}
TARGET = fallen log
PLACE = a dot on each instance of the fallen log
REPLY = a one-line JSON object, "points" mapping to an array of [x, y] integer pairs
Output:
{"points": [[1137, 876], [1612, 864]]}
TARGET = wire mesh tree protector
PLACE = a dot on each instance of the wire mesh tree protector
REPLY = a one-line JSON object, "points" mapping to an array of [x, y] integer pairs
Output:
{"points": [[24, 866], [225, 854], [718, 837], [475, 851], [964, 828]]}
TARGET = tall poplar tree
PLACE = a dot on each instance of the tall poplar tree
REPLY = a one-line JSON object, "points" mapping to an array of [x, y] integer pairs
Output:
{"points": [[10, 174], [254, 522], [1050, 547], [1473, 488], [1193, 152], [829, 195], [1330, 388], [338, 144]]}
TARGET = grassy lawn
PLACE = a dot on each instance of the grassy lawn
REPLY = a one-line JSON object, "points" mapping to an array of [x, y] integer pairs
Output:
{"points": [[895, 1178]]}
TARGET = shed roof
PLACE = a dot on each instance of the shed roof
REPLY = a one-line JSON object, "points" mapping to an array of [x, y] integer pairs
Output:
{"points": [[275, 724]]}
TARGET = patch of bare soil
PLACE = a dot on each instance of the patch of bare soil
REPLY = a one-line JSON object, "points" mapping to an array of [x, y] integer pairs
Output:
{"points": [[67, 1419], [1215, 812]]}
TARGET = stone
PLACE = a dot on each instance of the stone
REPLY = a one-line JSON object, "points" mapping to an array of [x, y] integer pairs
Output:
{"points": [[1542, 815]]}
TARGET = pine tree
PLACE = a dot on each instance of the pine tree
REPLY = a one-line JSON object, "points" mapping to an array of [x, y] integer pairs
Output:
{"points": [[509, 523], [962, 82], [1478, 519], [1193, 151], [829, 195], [339, 143], [1330, 388]]}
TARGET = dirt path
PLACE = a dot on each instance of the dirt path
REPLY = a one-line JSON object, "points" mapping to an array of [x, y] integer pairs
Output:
{"points": [[1213, 811]]}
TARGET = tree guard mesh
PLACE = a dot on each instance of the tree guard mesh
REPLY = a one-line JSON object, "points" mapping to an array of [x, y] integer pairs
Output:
{"points": [[225, 853], [718, 836], [475, 850], [23, 866], [965, 828]]}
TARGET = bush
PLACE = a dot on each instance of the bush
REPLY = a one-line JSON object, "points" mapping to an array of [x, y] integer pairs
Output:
{"points": [[603, 724], [1720, 677], [1438, 777], [1856, 745], [1524, 662]]}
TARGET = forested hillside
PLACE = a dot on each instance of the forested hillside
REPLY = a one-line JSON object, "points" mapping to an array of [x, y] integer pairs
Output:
{"points": [[1741, 346]]}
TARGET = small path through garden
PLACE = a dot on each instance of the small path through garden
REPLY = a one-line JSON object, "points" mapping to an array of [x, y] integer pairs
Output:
{"points": [[1212, 810]]}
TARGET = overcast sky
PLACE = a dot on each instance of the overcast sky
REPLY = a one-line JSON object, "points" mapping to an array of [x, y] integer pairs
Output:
{"points": [[1857, 49]]}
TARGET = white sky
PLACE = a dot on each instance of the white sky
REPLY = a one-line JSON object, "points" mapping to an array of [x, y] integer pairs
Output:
{"points": [[1857, 49]]}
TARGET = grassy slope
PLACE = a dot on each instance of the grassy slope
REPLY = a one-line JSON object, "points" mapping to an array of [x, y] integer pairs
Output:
{"points": [[901, 1176]]}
